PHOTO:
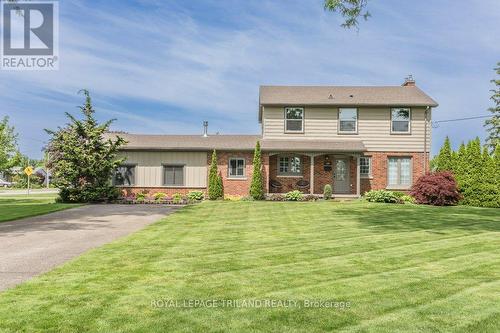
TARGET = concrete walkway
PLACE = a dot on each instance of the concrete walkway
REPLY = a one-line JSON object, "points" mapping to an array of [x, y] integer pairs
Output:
{"points": [[35, 245]]}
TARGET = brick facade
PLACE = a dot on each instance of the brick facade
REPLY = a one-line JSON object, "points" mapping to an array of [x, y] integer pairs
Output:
{"points": [[234, 186], [378, 179], [241, 187], [289, 183]]}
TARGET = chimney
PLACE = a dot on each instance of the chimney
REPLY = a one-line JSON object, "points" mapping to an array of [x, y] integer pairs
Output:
{"points": [[205, 129], [409, 81]]}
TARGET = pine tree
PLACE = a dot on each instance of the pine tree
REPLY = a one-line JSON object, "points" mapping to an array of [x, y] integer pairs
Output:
{"points": [[444, 160], [460, 163], [82, 161], [257, 186], [493, 125], [486, 188], [215, 186]]}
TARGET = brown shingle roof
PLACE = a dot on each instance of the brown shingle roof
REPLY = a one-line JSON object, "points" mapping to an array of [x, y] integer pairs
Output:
{"points": [[313, 145], [188, 142], [232, 142], [344, 96]]}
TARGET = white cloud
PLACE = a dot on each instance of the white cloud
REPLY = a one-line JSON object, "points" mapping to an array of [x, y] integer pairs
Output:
{"points": [[209, 64]]}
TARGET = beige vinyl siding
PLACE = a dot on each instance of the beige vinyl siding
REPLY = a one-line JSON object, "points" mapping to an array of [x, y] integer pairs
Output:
{"points": [[149, 167], [374, 128]]}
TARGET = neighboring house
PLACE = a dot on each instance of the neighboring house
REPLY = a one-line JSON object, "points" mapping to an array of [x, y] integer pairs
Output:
{"points": [[354, 138]]}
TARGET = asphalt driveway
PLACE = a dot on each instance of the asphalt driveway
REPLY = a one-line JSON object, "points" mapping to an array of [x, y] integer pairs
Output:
{"points": [[35, 245]]}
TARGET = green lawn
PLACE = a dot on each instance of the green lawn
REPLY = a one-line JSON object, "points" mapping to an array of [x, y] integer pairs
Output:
{"points": [[401, 268], [14, 207]]}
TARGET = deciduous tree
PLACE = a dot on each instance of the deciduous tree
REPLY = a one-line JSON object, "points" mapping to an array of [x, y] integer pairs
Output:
{"points": [[350, 10], [9, 154]]}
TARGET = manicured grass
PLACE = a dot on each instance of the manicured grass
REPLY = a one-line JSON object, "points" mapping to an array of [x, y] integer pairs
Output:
{"points": [[14, 207], [402, 268]]}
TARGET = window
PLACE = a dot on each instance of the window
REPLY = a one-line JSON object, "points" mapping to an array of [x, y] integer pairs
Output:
{"points": [[290, 165], [399, 172], [348, 120], [124, 175], [365, 166], [173, 175], [400, 119], [294, 119], [236, 167]]}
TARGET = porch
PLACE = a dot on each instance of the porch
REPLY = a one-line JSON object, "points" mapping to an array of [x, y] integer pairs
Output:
{"points": [[309, 172]]}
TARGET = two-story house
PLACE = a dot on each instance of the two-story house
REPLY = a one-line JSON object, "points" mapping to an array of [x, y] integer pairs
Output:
{"points": [[354, 138]]}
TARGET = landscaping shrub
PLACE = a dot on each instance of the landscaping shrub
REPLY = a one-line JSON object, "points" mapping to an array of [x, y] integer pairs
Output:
{"points": [[382, 196], [327, 192], [294, 196], [257, 185], [159, 196], [407, 199], [140, 197], [438, 189], [215, 186], [195, 196], [177, 198]]}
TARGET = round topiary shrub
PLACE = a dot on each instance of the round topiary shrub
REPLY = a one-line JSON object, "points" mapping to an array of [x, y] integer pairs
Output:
{"points": [[438, 189]]}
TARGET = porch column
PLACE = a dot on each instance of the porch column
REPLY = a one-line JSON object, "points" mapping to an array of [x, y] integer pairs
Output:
{"points": [[311, 185], [358, 177]]}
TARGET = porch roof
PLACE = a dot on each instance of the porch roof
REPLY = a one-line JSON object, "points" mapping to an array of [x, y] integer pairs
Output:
{"points": [[309, 145]]}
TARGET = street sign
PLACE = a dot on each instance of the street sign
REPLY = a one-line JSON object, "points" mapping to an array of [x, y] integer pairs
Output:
{"points": [[28, 171]]}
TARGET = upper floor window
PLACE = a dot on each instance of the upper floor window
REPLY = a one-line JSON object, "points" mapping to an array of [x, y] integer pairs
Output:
{"points": [[348, 120], [173, 175], [399, 172], [124, 175], [236, 167], [365, 166], [294, 119], [290, 165], [400, 120]]}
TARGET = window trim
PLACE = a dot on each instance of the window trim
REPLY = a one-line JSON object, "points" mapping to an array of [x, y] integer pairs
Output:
{"points": [[229, 176], [355, 132], [164, 174], [134, 165], [369, 174], [409, 120], [287, 131], [289, 173], [400, 186]]}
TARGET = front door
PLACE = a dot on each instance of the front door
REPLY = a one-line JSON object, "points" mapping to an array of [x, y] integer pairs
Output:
{"points": [[341, 176]]}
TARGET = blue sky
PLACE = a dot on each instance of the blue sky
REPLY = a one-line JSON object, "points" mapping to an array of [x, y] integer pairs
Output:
{"points": [[165, 66]]}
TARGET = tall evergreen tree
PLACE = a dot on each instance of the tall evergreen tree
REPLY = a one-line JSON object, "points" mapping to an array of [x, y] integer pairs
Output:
{"points": [[257, 186], [493, 125], [9, 154], [444, 160], [82, 161], [215, 186]]}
